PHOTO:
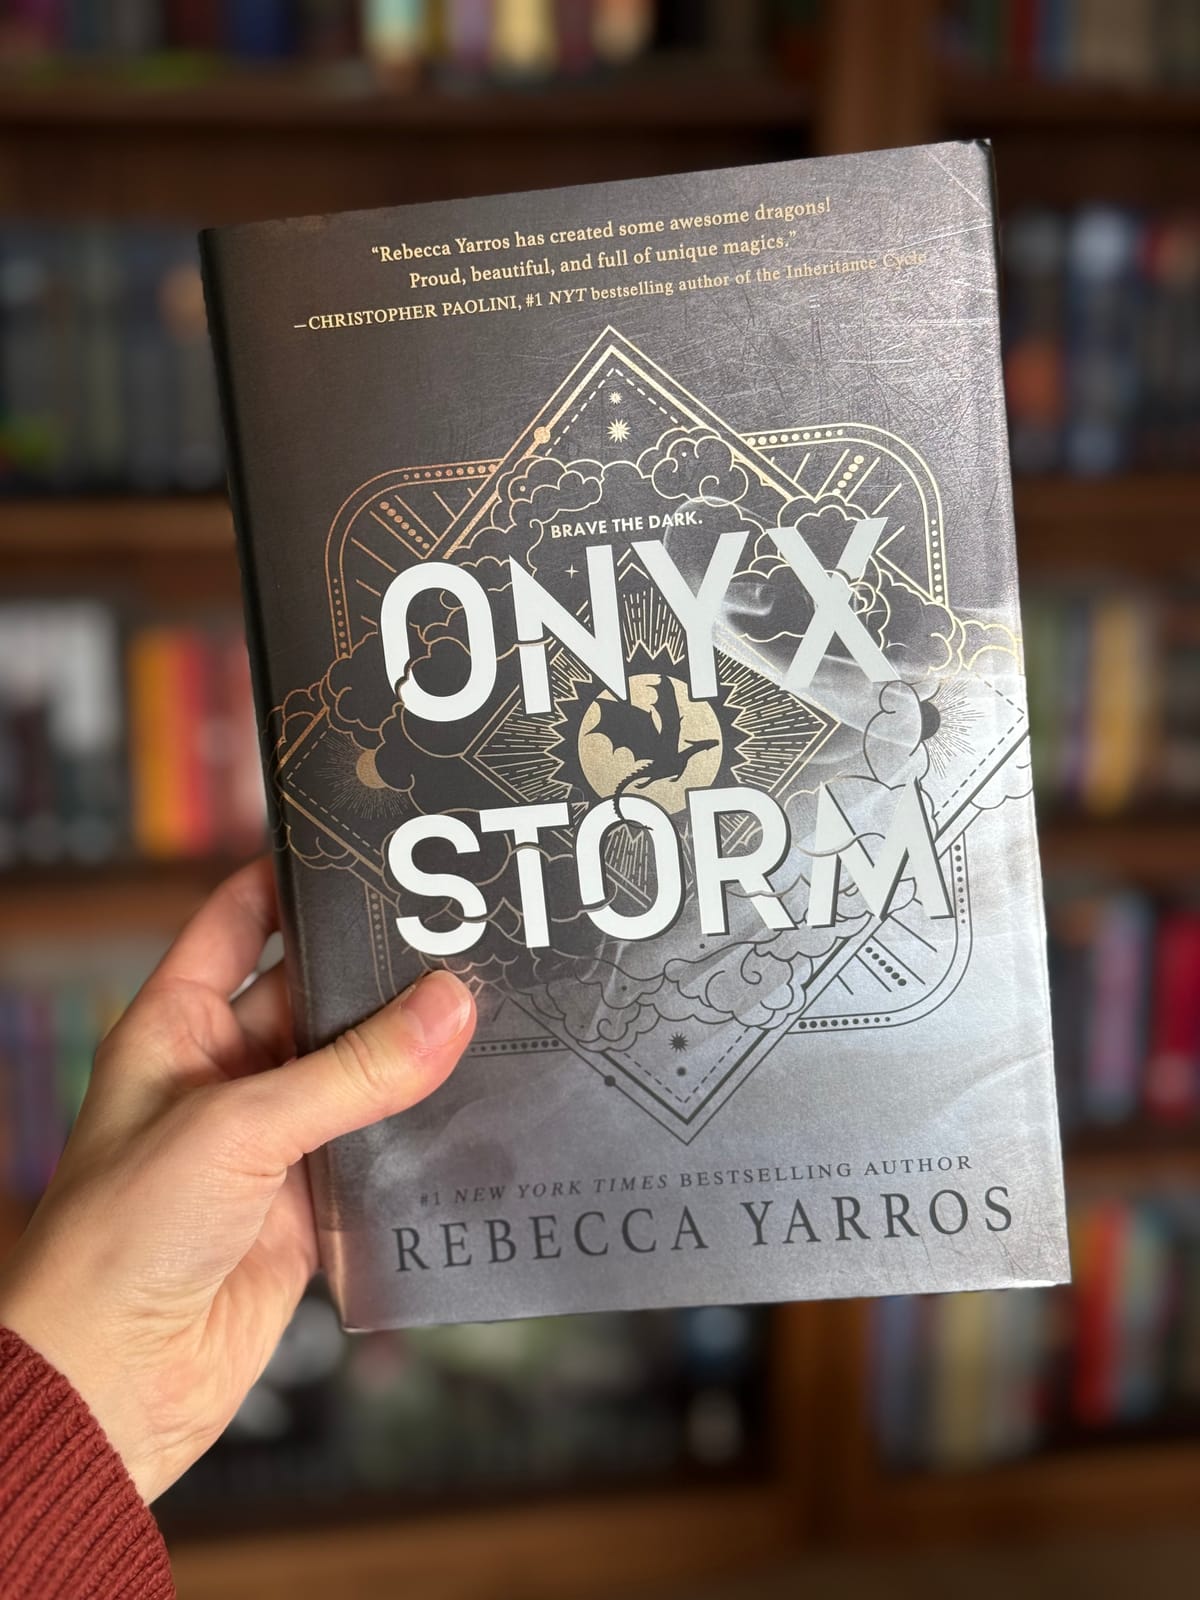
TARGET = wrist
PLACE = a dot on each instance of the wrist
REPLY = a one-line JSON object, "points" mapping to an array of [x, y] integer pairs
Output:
{"points": [[51, 1324]]}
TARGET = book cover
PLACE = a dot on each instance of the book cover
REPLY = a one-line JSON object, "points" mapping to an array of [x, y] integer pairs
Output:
{"points": [[633, 618]]}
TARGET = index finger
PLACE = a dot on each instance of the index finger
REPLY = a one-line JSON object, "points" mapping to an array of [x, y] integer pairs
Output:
{"points": [[221, 944]]}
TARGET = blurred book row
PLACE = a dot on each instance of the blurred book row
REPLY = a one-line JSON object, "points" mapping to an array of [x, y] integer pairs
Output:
{"points": [[124, 736], [1114, 697], [1132, 43], [503, 1408], [106, 377], [121, 737], [1102, 339], [402, 39], [1126, 1009], [56, 1003], [965, 1380]]}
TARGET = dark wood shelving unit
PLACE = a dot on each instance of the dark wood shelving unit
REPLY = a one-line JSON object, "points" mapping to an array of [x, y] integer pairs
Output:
{"points": [[1150, 520], [1007, 103], [209, 152], [674, 97], [1133, 1158], [114, 901], [615, 1545], [1144, 522], [59, 529], [1152, 851], [206, 153]]}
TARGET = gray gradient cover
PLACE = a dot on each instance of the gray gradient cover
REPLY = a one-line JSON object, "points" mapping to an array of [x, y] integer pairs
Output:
{"points": [[632, 599]]}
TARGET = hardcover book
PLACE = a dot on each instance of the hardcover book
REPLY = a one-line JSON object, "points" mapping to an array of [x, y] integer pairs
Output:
{"points": [[632, 604]]}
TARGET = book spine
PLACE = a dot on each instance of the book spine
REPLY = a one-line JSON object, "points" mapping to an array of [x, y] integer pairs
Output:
{"points": [[245, 814], [621, 29], [1116, 717], [259, 30], [153, 732], [1033, 366], [1101, 340], [1097, 1308], [573, 27], [961, 1354], [263, 698], [1145, 1294], [328, 29], [1172, 1086], [191, 755], [135, 27], [524, 42], [193, 25], [735, 36], [395, 37], [467, 27]]}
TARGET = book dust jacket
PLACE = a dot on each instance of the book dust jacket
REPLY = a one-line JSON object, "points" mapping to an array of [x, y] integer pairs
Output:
{"points": [[633, 613]]}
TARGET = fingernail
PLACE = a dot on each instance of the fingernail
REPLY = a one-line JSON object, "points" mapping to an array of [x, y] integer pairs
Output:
{"points": [[436, 1009]]}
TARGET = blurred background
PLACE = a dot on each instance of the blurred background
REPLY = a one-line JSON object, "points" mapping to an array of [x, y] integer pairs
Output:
{"points": [[1041, 1438]]}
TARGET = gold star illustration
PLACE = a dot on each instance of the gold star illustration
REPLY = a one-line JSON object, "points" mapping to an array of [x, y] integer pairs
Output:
{"points": [[618, 431], [614, 398]]}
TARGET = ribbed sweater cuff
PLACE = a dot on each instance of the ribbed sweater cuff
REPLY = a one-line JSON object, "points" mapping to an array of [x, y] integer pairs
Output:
{"points": [[71, 1520]]}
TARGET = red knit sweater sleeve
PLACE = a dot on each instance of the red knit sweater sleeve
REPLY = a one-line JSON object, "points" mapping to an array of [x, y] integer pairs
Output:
{"points": [[71, 1521]]}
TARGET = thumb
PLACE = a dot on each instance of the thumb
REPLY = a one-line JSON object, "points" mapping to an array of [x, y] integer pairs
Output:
{"points": [[385, 1064]]}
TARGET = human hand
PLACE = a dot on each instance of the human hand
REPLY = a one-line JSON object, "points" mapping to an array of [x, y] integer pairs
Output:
{"points": [[177, 1233]]}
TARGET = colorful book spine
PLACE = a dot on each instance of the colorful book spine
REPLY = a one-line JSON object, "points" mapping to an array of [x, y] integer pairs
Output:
{"points": [[395, 36], [1114, 684], [1116, 1010], [467, 30], [1100, 1242], [1124, 980], [260, 30], [1118, 704], [1130, 43], [962, 1381], [573, 29], [621, 29], [524, 40], [1172, 1090]]}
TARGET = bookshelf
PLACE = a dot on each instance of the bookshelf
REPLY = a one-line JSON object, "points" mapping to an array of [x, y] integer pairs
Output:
{"points": [[619, 1546], [86, 144]]}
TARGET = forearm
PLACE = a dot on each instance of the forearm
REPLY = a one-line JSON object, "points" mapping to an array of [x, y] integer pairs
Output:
{"points": [[71, 1520]]}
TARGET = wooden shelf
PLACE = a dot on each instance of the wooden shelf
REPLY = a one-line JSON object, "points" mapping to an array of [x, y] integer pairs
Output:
{"points": [[860, 1500], [1139, 1484], [581, 1549], [999, 103], [294, 99], [1143, 520], [68, 526], [105, 902], [1062, 523], [1128, 1158], [290, 143], [1155, 851]]}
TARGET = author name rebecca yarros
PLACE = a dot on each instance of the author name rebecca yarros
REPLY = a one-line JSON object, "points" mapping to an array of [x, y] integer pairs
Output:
{"points": [[646, 1230]]}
